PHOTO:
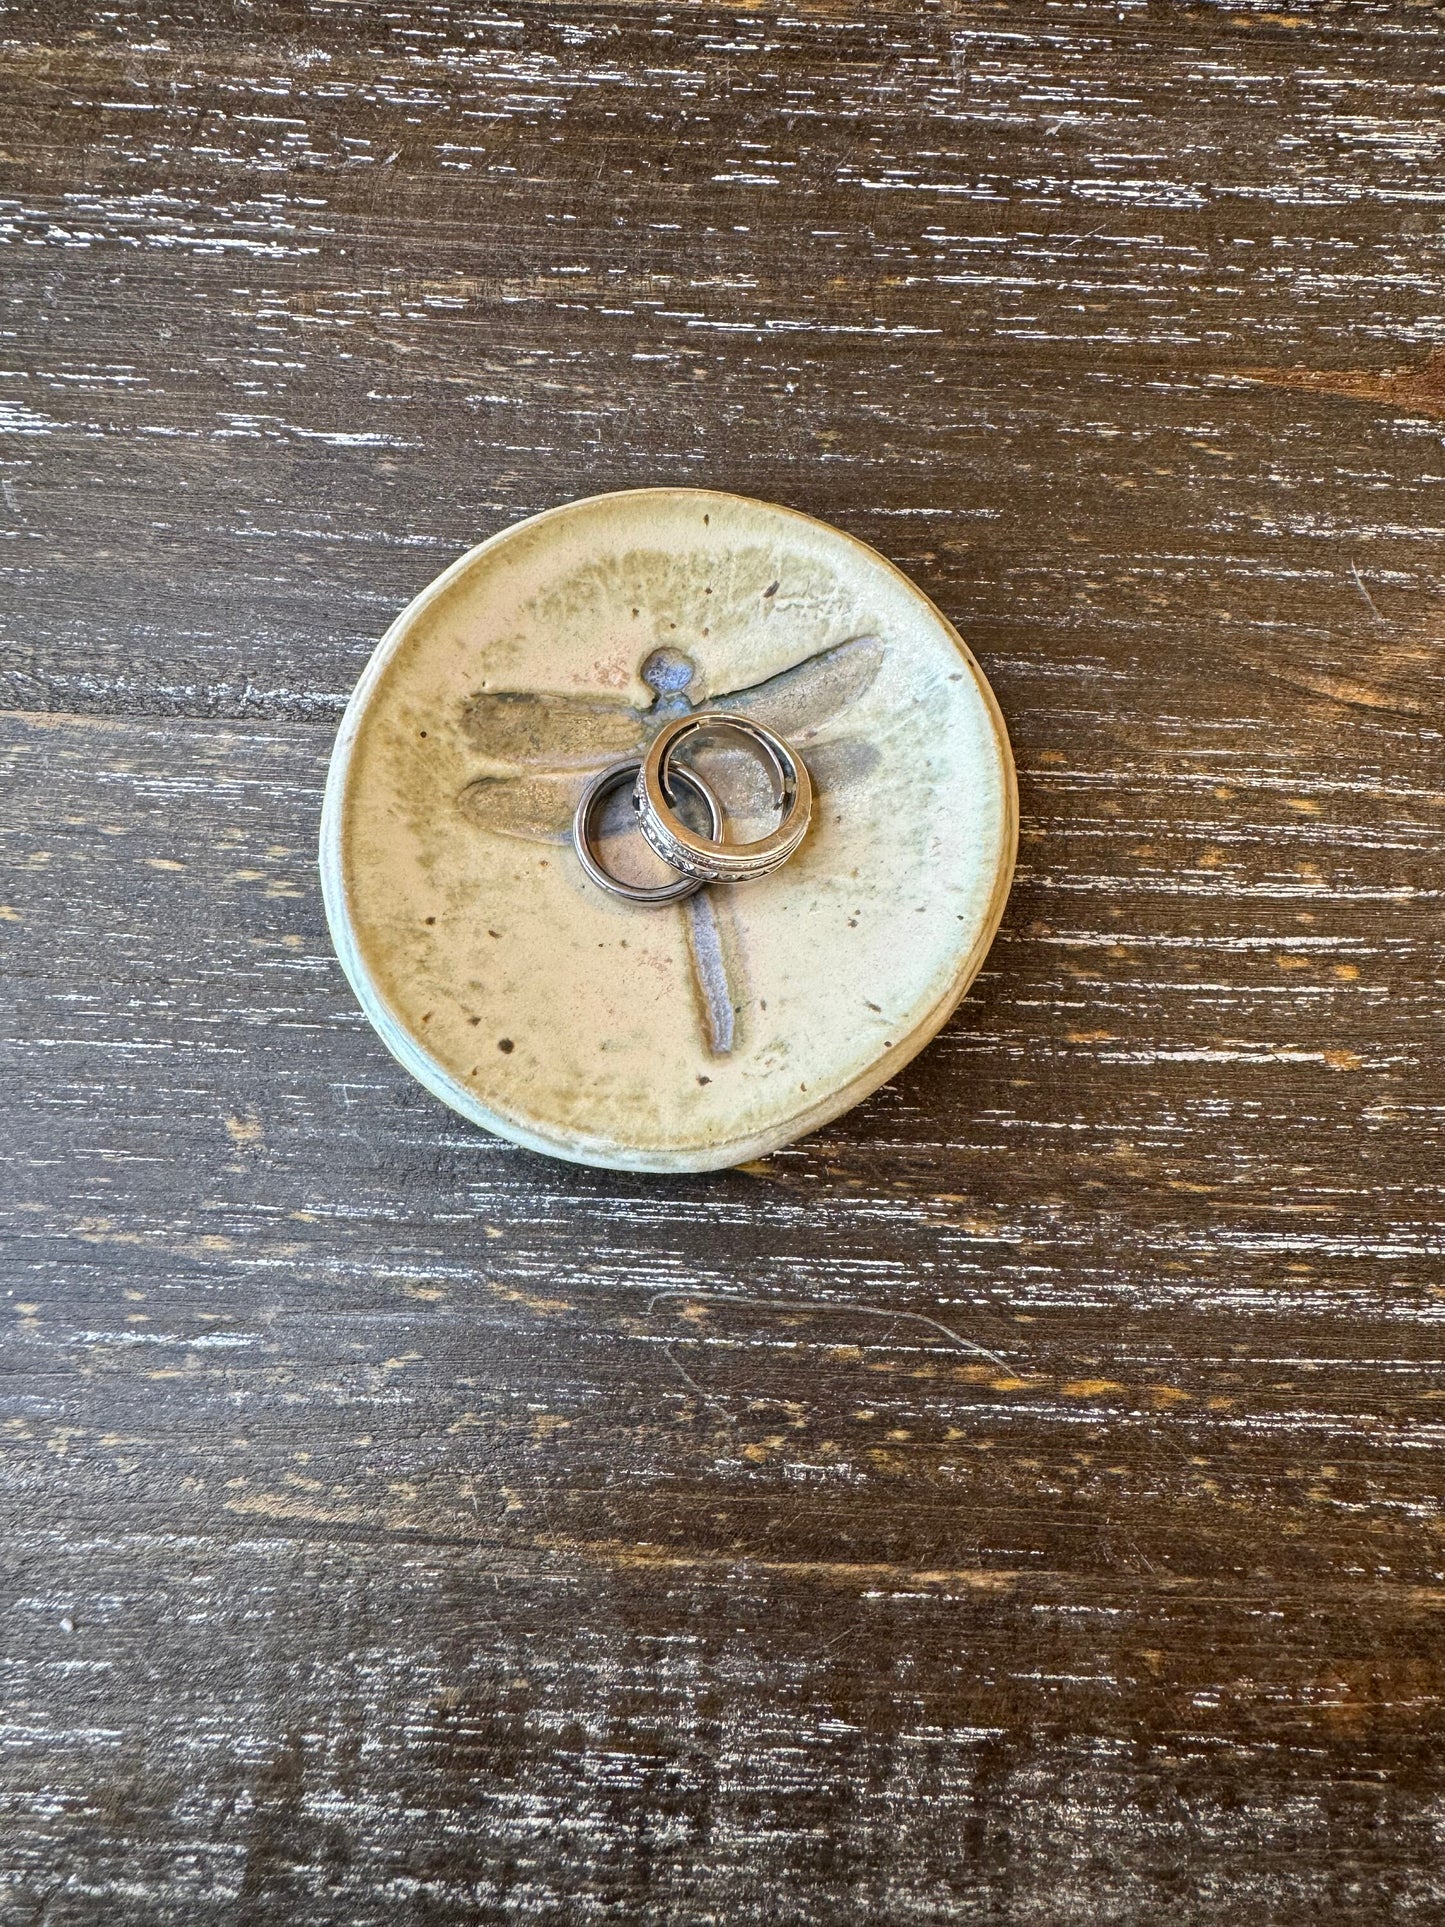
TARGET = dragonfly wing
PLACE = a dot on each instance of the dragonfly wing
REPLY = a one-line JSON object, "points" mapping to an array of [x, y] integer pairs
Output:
{"points": [[799, 701], [539, 808], [839, 764], [561, 732]]}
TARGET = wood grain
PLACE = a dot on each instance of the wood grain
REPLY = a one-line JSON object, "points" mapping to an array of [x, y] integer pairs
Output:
{"points": [[1020, 1501]]}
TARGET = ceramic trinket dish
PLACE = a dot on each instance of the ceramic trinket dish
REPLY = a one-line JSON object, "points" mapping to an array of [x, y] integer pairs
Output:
{"points": [[703, 1033]]}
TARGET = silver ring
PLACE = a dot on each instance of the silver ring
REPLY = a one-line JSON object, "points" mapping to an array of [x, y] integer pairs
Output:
{"points": [[708, 858], [584, 823]]}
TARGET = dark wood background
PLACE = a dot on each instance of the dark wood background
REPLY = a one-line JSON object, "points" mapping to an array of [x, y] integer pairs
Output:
{"points": [[401, 1527]]}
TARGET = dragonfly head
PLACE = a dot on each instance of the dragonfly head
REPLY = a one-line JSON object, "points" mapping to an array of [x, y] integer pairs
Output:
{"points": [[667, 672]]}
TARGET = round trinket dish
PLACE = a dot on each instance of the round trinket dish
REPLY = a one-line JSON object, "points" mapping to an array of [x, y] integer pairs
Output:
{"points": [[695, 1034]]}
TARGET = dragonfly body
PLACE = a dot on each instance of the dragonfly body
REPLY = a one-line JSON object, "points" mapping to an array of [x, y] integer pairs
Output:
{"points": [[544, 749]]}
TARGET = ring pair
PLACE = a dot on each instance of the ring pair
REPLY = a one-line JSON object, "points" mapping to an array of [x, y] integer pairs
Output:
{"points": [[656, 780]]}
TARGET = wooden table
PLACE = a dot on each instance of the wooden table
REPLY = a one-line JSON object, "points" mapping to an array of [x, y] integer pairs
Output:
{"points": [[381, 1546]]}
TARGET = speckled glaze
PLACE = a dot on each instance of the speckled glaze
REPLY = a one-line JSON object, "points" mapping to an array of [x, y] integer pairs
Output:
{"points": [[643, 1039]]}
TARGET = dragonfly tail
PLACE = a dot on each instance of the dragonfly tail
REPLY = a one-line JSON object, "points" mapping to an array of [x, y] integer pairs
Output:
{"points": [[704, 940]]}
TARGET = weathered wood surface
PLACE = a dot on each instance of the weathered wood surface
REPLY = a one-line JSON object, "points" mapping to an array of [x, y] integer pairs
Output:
{"points": [[401, 1527]]}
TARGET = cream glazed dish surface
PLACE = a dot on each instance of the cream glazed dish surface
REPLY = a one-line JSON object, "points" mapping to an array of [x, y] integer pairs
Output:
{"points": [[690, 1035]]}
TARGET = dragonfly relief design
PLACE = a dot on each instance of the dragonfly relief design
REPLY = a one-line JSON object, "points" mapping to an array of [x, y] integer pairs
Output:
{"points": [[546, 748]]}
